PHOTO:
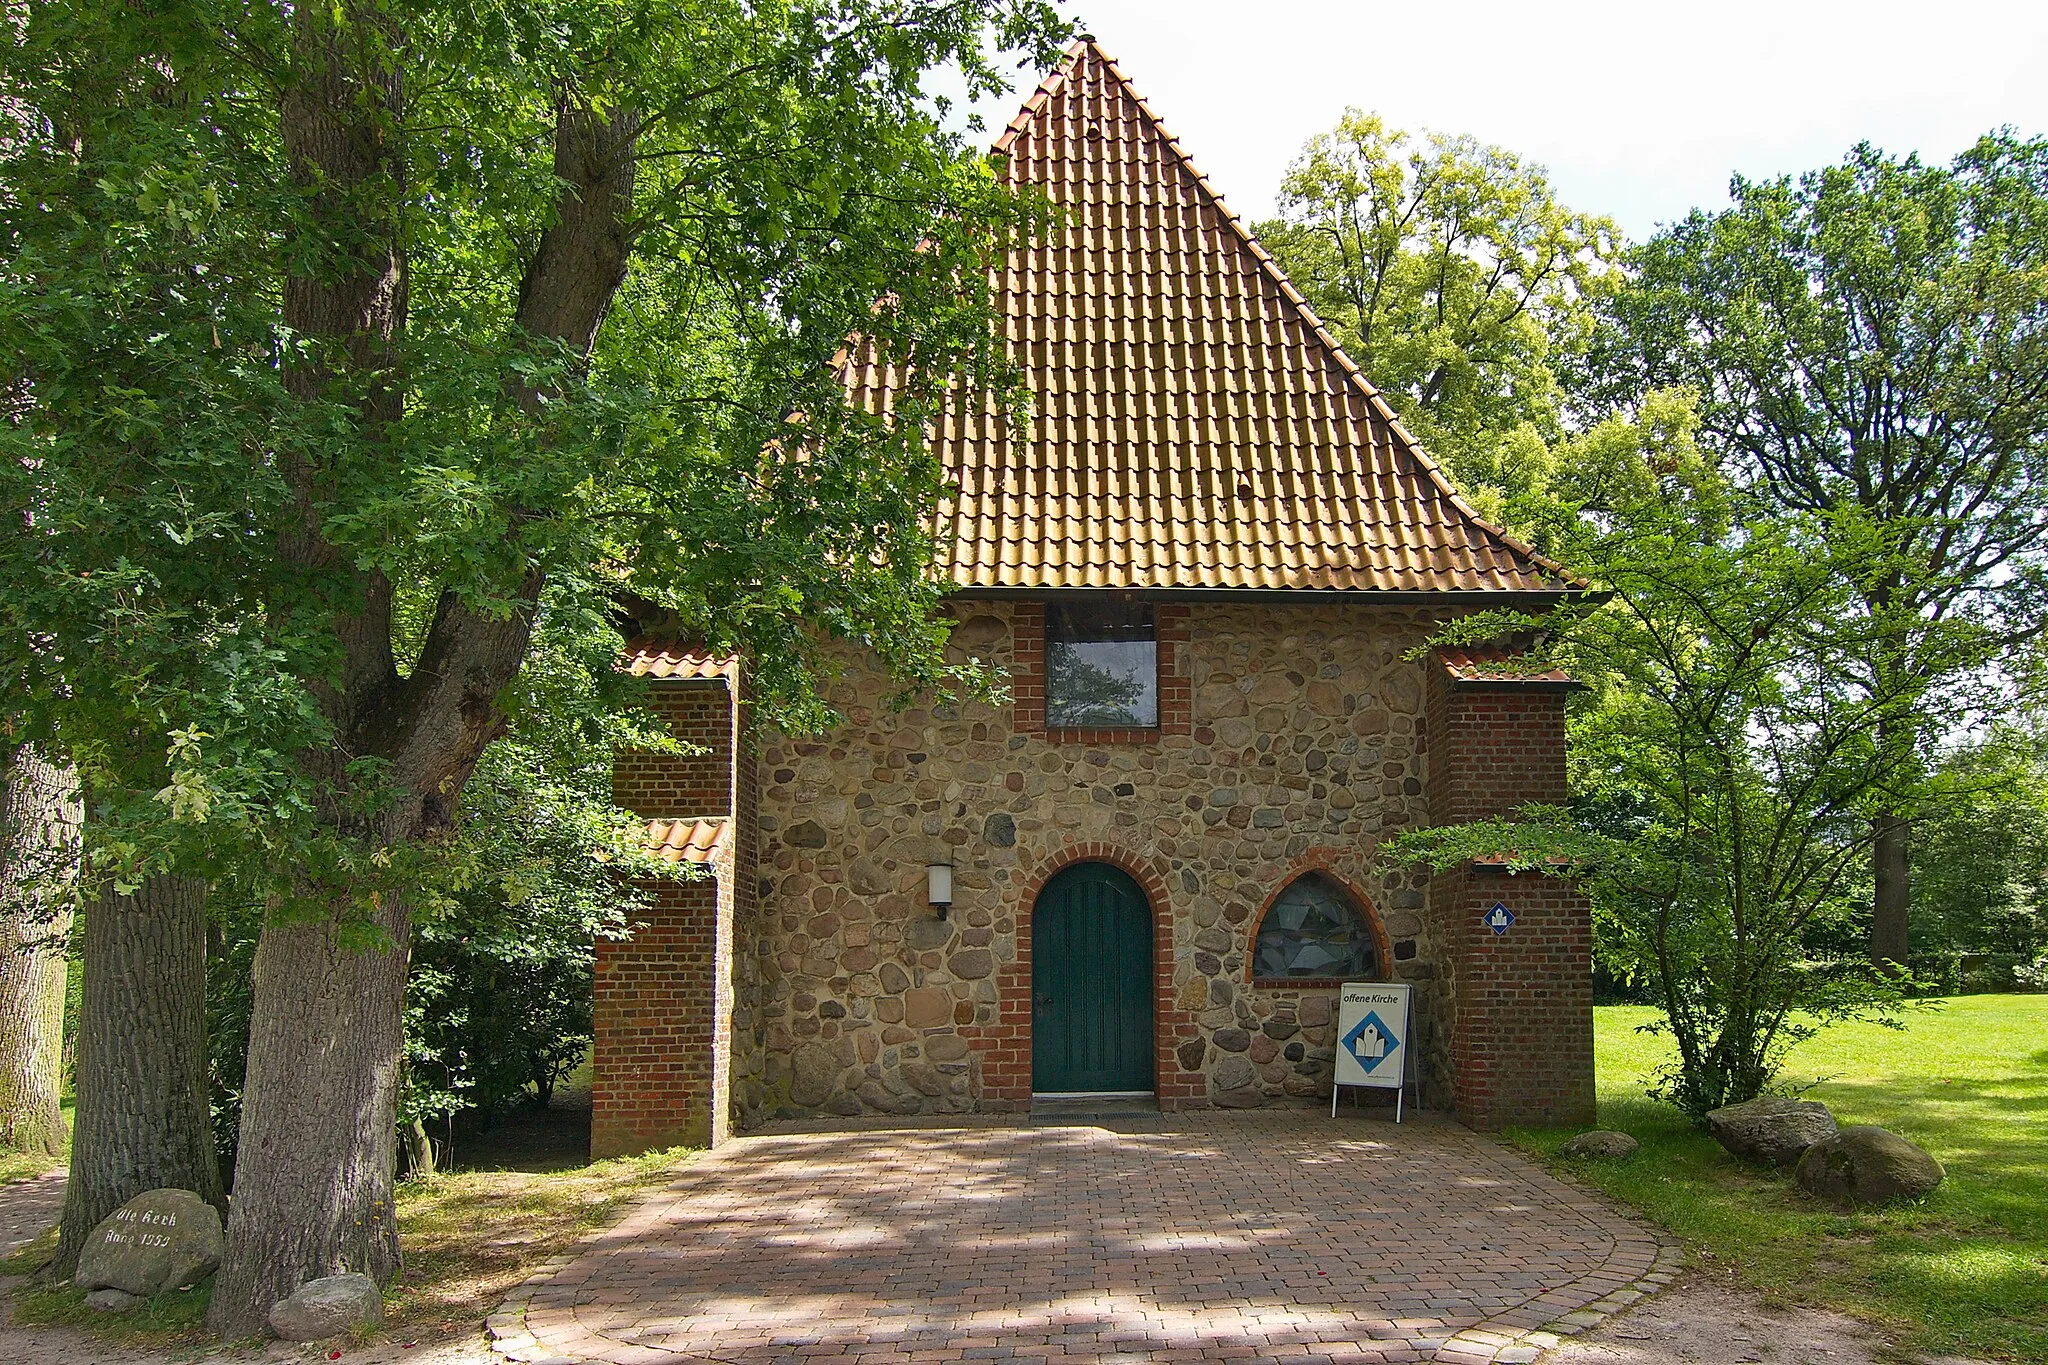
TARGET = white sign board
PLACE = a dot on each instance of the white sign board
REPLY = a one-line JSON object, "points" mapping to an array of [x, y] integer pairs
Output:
{"points": [[1372, 1036]]}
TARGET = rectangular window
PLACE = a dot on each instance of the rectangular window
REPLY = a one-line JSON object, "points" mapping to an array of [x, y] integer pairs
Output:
{"points": [[1101, 666]]}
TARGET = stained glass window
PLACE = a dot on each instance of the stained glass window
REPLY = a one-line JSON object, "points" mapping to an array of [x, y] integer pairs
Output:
{"points": [[1101, 665], [1315, 931]]}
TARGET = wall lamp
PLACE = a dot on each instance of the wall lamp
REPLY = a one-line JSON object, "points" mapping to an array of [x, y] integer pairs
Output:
{"points": [[938, 887]]}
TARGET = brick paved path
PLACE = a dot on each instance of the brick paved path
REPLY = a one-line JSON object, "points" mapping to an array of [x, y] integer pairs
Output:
{"points": [[1196, 1237]]}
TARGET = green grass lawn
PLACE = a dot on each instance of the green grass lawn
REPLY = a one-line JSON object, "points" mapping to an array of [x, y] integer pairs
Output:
{"points": [[1964, 1270]]}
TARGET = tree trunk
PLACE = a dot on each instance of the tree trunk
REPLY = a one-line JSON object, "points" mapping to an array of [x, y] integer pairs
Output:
{"points": [[143, 1117], [39, 850], [313, 1171], [419, 1149], [1891, 920]]}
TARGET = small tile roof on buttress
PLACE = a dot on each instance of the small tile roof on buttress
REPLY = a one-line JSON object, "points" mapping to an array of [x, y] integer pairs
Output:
{"points": [[1195, 426], [1481, 664], [686, 841], [669, 660]]}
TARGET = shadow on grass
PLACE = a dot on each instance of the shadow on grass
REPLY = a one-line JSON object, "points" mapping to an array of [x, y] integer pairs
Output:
{"points": [[524, 1192], [470, 1235], [1991, 1135], [1964, 1270]]}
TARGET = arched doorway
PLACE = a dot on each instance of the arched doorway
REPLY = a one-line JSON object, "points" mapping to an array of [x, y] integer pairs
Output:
{"points": [[1091, 984]]}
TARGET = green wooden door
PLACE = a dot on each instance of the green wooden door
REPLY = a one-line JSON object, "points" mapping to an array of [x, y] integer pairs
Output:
{"points": [[1091, 983]]}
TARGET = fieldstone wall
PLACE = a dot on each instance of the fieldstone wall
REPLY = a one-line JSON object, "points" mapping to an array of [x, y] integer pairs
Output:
{"points": [[1306, 748]]}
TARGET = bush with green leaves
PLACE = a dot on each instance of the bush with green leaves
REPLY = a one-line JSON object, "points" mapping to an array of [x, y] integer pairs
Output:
{"points": [[1980, 865], [1726, 760], [540, 867]]}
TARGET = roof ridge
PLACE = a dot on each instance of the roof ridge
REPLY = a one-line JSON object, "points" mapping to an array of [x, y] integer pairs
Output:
{"points": [[1037, 99], [1050, 86]]}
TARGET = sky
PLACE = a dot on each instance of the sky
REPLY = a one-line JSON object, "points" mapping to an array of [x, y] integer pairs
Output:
{"points": [[1640, 111]]}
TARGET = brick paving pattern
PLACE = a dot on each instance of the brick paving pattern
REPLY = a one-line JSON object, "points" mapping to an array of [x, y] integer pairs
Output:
{"points": [[1206, 1236]]}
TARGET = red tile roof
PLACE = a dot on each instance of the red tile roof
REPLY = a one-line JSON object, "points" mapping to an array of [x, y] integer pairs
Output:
{"points": [[1195, 425], [650, 658], [1490, 663], [686, 841]]}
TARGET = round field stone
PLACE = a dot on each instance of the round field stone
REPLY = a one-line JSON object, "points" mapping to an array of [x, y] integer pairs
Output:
{"points": [[159, 1240], [1771, 1129], [814, 1074], [1233, 1073], [1601, 1142], [328, 1307], [1864, 1164]]}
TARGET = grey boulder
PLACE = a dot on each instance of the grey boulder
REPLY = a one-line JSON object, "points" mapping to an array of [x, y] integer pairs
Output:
{"points": [[159, 1240], [1863, 1164], [1771, 1129], [113, 1301], [1601, 1142], [877, 1097], [328, 1307]]}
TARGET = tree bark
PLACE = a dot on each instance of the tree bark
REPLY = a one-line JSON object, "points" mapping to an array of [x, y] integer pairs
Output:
{"points": [[1891, 920], [313, 1171], [419, 1149], [143, 1108], [39, 851]]}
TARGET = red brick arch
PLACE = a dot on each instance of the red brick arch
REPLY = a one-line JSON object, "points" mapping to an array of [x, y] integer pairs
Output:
{"points": [[1148, 873], [1004, 1047], [1321, 860]]}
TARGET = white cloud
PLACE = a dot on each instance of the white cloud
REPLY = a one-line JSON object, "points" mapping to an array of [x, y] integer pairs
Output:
{"points": [[1640, 111]]}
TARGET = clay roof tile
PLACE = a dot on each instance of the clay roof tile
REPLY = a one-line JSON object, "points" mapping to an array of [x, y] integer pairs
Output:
{"points": [[1196, 426], [686, 841]]}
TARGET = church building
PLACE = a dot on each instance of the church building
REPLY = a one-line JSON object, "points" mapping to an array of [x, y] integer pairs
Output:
{"points": [[1207, 566]]}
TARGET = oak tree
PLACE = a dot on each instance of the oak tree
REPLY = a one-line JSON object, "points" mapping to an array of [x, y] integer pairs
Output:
{"points": [[1869, 343], [39, 856], [348, 340], [1455, 278]]}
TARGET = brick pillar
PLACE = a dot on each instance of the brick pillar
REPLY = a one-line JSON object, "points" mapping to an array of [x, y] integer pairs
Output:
{"points": [[1520, 1004], [658, 1071], [662, 1046]]}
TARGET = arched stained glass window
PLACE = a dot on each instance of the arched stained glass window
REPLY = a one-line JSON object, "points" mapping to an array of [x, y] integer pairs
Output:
{"points": [[1315, 931]]}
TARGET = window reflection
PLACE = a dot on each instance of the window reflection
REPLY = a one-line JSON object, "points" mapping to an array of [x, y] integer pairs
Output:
{"points": [[1101, 665]]}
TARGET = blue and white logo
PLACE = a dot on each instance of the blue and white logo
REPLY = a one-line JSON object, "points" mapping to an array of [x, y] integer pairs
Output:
{"points": [[1371, 1041], [1498, 918]]}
